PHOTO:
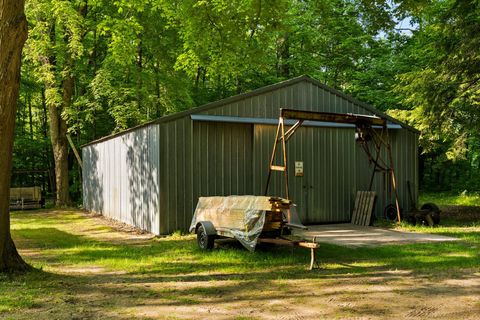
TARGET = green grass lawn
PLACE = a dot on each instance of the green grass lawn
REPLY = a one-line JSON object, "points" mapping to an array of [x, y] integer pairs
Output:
{"points": [[449, 198], [179, 254], [59, 242]]}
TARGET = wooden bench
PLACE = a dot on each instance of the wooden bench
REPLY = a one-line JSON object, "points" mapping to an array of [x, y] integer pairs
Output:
{"points": [[26, 198]]}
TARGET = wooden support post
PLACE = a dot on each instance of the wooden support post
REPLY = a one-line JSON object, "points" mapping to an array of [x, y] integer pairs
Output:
{"points": [[313, 252], [394, 179], [284, 147], [272, 158], [292, 129], [313, 259], [80, 163], [378, 150]]}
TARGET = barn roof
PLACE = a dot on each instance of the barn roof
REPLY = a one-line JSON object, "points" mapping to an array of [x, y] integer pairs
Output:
{"points": [[255, 92]]}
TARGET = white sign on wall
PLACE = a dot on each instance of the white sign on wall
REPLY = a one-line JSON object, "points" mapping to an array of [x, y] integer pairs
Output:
{"points": [[298, 168]]}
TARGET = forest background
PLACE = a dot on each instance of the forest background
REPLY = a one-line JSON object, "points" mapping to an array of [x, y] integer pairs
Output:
{"points": [[92, 68]]}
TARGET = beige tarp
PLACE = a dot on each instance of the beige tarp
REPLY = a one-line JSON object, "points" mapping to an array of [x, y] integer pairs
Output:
{"points": [[243, 216]]}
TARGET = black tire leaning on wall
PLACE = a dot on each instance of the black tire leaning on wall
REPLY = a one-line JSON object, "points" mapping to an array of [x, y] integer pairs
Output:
{"points": [[390, 212]]}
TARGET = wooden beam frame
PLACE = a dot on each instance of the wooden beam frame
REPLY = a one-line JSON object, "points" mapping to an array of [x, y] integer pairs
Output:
{"points": [[362, 123], [357, 119]]}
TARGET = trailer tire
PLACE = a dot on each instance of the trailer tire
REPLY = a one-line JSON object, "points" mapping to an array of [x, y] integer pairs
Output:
{"points": [[205, 241]]}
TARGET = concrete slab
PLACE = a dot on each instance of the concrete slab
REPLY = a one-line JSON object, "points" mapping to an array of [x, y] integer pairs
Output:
{"points": [[351, 235]]}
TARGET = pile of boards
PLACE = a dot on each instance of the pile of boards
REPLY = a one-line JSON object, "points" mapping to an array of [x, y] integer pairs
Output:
{"points": [[274, 219], [362, 212]]}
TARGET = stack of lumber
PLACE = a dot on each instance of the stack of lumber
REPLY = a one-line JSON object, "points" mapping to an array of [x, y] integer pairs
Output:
{"points": [[274, 217], [362, 212]]}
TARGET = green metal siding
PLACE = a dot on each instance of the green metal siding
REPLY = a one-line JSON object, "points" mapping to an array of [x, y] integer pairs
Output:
{"points": [[176, 167], [303, 95], [201, 159], [324, 193]]}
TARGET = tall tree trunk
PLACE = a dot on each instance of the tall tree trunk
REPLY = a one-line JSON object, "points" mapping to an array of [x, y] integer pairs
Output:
{"points": [[48, 159], [58, 137], [94, 59], [13, 33], [30, 116], [139, 79], [156, 69], [58, 125]]}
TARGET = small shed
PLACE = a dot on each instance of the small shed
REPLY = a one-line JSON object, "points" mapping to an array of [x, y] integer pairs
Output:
{"points": [[151, 176]]}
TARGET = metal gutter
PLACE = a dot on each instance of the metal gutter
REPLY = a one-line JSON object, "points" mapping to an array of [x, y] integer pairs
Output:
{"points": [[270, 121]]}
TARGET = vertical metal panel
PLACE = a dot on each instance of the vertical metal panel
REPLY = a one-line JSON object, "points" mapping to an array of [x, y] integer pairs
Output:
{"points": [[163, 179], [121, 178], [125, 206], [325, 190], [92, 178], [201, 159], [405, 156]]}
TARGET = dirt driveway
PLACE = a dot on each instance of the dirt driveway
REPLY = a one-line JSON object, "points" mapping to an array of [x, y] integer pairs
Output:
{"points": [[350, 235]]}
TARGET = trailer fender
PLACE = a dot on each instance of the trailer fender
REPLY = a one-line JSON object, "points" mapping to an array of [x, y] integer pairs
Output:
{"points": [[207, 226]]}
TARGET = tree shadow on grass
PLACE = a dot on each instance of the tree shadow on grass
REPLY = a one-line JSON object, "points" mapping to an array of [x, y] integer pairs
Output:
{"points": [[150, 273], [48, 238], [97, 296]]}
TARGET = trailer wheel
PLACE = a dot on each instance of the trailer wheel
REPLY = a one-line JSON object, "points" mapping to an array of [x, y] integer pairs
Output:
{"points": [[434, 211], [204, 240]]}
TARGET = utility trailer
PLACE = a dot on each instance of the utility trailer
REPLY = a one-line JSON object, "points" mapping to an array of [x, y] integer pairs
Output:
{"points": [[250, 220]]}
